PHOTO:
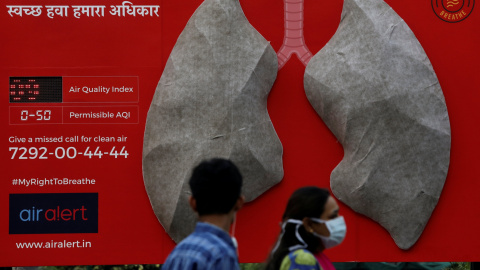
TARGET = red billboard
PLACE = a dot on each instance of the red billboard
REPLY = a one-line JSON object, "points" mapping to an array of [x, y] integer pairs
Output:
{"points": [[78, 80]]}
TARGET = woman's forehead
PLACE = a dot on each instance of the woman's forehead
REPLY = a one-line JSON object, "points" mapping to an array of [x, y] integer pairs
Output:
{"points": [[331, 206]]}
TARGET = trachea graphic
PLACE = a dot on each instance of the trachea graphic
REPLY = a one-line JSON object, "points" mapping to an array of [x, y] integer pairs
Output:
{"points": [[293, 41]]}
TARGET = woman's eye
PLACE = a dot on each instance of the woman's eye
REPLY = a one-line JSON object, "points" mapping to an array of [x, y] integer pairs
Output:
{"points": [[333, 216]]}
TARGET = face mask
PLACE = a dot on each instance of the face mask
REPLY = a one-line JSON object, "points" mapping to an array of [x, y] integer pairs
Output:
{"points": [[337, 229], [232, 235], [235, 242]]}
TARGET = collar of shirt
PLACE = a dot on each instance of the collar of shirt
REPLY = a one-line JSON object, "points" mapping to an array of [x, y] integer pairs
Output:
{"points": [[203, 227]]}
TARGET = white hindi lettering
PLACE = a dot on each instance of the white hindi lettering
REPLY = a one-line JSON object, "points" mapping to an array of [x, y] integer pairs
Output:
{"points": [[57, 10], [147, 10], [33, 10], [130, 9], [127, 8], [17, 10], [121, 10], [100, 11], [27, 10], [76, 11], [89, 11]]}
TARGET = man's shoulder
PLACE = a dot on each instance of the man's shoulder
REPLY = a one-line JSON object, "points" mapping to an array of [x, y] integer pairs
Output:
{"points": [[202, 246], [201, 251], [208, 247], [204, 241]]}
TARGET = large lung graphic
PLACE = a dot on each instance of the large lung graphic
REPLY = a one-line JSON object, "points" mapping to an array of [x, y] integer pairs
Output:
{"points": [[211, 101], [374, 87]]}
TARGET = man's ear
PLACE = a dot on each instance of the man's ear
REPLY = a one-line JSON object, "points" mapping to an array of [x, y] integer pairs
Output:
{"points": [[193, 203], [239, 203]]}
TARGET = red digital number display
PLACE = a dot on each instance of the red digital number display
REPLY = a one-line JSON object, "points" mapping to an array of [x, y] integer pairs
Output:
{"points": [[35, 89]]}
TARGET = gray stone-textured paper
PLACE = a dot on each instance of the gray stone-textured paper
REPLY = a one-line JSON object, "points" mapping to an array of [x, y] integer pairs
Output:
{"points": [[211, 101], [376, 90]]}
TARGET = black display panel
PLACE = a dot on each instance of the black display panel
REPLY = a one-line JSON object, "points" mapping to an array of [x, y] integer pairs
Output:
{"points": [[35, 89], [48, 213]]}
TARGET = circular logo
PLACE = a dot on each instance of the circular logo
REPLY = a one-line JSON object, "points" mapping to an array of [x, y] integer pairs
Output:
{"points": [[453, 11]]}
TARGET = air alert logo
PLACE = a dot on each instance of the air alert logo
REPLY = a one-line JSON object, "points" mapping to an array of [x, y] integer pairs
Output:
{"points": [[47, 213], [453, 11]]}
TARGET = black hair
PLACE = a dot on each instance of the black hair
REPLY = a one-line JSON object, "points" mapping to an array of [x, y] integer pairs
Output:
{"points": [[216, 186], [304, 202]]}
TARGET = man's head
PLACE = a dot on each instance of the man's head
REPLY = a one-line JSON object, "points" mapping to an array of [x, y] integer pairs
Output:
{"points": [[216, 186]]}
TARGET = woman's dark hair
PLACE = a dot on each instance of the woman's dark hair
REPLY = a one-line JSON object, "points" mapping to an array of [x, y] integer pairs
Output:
{"points": [[304, 202]]}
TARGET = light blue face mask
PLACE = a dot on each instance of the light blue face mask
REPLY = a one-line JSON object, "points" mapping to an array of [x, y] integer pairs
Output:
{"points": [[337, 229], [232, 235]]}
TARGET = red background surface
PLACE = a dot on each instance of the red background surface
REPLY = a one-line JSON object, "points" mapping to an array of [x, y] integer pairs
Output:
{"points": [[129, 233]]}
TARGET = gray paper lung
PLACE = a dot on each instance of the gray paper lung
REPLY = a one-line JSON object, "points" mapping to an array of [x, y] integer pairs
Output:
{"points": [[376, 90], [211, 101]]}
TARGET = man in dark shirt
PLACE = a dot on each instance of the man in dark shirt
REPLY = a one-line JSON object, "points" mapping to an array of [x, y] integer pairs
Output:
{"points": [[216, 196]]}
